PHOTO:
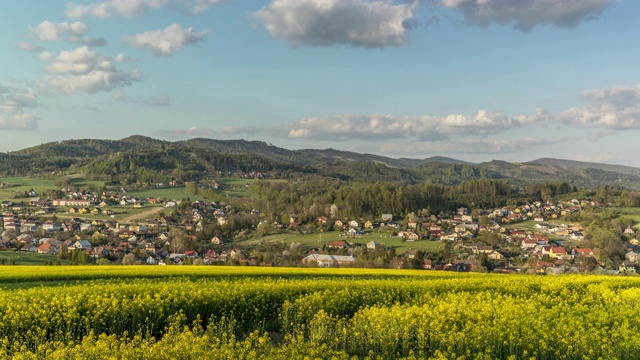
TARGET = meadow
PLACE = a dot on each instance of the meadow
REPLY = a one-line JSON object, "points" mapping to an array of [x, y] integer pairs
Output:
{"points": [[22, 185], [141, 312], [316, 240]]}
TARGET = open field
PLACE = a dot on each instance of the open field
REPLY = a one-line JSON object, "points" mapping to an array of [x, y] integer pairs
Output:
{"points": [[25, 184], [80, 181], [168, 193], [318, 239], [631, 213], [192, 312], [25, 258], [120, 213]]}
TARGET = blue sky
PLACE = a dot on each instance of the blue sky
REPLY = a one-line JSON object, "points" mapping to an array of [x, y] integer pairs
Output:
{"points": [[472, 79]]}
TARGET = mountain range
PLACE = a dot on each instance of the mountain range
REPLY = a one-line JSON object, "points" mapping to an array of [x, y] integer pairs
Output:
{"points": [[137, 156]]}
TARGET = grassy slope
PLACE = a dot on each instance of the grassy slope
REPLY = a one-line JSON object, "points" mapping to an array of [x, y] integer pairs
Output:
{"points": [[26, 184], [317, 240]]}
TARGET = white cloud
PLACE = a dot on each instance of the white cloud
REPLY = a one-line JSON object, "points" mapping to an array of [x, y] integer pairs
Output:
{"points": [[346, 127], [167, 41], [43, 54], [527, 14], [107, 9], [616, 107], [200, 6], [69, 32], [84, 70], [134, 8], [362, 23], [150, 100], [13, 103], [468, 146]]}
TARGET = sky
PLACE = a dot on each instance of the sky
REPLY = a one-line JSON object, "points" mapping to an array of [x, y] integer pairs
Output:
{"points": [[476, 80]]}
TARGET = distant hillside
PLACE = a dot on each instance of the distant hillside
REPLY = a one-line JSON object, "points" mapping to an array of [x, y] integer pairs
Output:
{"points": [[144, 159], [446, 160], [572, 164]]}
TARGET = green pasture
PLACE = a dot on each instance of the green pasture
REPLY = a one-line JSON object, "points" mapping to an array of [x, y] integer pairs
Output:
{"points": [[120, 212], [27, 258], [24, 184], [79, 181], [168, 193], [318, 239]]}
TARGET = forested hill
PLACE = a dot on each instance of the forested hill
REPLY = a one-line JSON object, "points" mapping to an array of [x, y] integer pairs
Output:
{"points": [[572, 164], [143, 159]]}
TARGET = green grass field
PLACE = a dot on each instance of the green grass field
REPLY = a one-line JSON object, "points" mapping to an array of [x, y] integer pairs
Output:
{"points": [[25, 258], [318, 239], [25, 184], [169, 194]]}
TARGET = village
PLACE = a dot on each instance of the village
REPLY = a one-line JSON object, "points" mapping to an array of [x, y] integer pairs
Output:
{"points": [[80, 226]]}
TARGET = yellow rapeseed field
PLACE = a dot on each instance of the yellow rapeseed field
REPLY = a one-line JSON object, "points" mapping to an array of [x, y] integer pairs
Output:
{"points": [[204, 312]]}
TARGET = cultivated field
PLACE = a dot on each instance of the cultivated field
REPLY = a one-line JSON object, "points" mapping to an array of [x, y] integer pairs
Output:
{"points": [[190, 312]]}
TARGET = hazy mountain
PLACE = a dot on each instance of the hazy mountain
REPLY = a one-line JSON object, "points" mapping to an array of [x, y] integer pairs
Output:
{"points": [[572, 164], [141, 158], [446, 160]]}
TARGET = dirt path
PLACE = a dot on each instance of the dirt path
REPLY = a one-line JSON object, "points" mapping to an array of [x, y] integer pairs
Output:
{"points": [[142, 215]]}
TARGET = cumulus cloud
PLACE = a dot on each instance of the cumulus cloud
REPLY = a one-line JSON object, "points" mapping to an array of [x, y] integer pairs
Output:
{"points": [[13, 103], [363, 23], [345, 127], [527, 14], [616, 107], [468, 146], [148, 100], [83, 70], [110, 8], [69, 32], [168, 41], [43, 54]]}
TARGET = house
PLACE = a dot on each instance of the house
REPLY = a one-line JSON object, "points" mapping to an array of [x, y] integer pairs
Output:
{"points": [[411, 254], [372, 245], [50, 226], [484, 249], [81, 245], [338, 224], [338, 244], [629, 231], [368, 224], [557, 252], [582, 251], [328, 260], [412, 224], [387, 217], [355, 232], [632, 256], [528, 244], [428, 264], [353, 224], [628, 267], [216, 240], [411, 236], [577, 236], [47, 248], [494, 255], [538, 218]]}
